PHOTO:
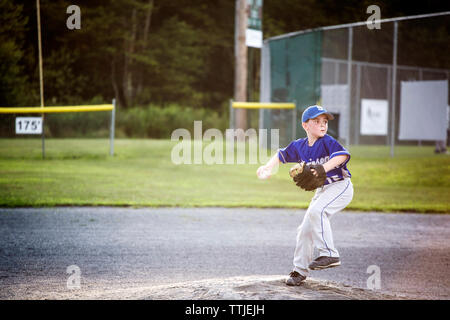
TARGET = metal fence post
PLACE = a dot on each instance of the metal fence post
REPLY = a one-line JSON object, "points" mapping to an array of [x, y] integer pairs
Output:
{"points": [[294, 121], [394, 93], [336, 72], [349, 83], [231, 125], [111, 134], [389, 97], [358, 105]]}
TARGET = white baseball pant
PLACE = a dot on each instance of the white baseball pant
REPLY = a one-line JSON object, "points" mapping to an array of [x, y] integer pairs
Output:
{"points": [[315, 230]]}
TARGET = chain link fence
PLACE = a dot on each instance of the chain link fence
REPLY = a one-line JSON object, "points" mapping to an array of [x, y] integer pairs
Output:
{"points": [[363, 75]]}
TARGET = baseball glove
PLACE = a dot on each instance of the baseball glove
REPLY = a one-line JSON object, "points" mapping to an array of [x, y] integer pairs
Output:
{"points": [[305, 178]]}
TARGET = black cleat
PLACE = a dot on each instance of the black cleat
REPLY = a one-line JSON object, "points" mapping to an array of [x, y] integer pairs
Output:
{"points": [[295, 279], [324, 262]]}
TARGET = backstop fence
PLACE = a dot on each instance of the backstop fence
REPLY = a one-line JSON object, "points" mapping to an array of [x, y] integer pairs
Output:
{"points": [[385, 84]]}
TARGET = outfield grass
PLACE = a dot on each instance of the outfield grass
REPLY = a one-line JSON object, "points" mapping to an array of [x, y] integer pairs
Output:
{"points": [[80, 172]]}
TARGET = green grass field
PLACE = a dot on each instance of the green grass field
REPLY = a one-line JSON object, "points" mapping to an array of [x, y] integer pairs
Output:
{"points": [[80, 172]]}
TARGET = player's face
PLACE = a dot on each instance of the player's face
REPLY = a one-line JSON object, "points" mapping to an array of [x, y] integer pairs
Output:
{"points": [[318, 127]]}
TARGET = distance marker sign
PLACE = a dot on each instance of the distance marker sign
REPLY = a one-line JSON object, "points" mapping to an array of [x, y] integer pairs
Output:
{"points": [[28, 125]]}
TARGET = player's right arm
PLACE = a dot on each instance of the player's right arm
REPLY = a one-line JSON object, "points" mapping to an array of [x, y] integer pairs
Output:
{"points": [[265, 171], [288, 154]]}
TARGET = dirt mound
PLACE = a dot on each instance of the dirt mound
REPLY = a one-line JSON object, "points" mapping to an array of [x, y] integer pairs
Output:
{"points": [[246, 288]]}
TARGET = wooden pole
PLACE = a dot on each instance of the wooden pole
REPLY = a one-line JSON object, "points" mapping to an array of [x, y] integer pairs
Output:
{"points": [[41, 77], [240, 78]]}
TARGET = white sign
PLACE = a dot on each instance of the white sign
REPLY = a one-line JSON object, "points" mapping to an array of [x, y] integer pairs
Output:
{"points": [[374, 117], [253, 38], [28, 125], [423, 110]]}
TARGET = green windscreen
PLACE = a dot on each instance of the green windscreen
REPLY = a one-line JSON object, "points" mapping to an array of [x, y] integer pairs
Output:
{"points": [[295, 76]]}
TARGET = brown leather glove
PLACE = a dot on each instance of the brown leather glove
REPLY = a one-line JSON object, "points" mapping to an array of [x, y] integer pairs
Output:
{"points": [[307, 180]]}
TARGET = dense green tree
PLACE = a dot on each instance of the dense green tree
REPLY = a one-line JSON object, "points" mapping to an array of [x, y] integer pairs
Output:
{"points": [[162, 52], [13, 80]]}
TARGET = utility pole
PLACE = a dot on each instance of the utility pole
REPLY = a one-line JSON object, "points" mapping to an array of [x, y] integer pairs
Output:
{"points": [[41, 77], [240, 71]]}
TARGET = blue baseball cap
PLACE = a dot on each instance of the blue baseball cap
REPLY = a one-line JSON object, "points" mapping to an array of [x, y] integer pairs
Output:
{"points": [[315, 111]]}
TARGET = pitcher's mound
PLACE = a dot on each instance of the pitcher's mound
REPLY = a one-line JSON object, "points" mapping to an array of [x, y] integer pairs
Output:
{"points": [[257, 287]]}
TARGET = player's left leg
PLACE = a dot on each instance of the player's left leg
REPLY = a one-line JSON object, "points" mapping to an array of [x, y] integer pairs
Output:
{"points": [[331, 199], [304, 249]]}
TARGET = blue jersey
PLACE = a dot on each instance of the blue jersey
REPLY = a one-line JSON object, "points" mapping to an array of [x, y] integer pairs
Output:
{"points": [[320, 152]]}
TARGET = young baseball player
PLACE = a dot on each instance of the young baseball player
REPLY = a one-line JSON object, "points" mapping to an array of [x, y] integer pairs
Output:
{"points": [[321, 153]]}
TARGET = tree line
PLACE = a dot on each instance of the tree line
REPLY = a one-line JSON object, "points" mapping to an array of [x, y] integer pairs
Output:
{"points": [[153, 51]]}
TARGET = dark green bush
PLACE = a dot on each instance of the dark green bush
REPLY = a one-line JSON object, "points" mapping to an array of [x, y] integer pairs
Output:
{"points": [[158, 122]]}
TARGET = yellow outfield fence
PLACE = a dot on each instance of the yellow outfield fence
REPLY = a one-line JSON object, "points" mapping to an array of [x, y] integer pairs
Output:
{"points": [[288, 106], [262, 105], [99, 107], [62, 109]]}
